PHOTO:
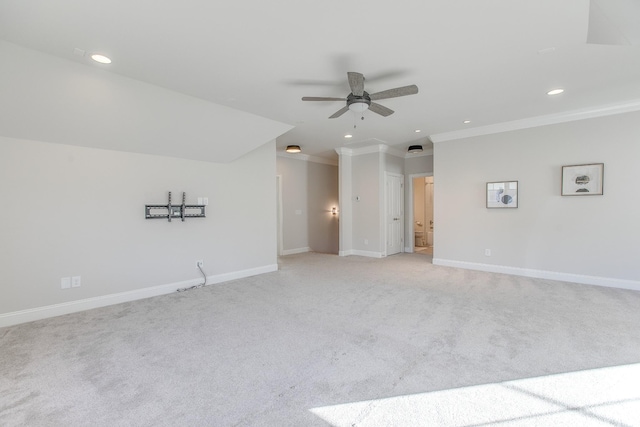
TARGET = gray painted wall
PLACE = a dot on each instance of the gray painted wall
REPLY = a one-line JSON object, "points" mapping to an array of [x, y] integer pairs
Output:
{"points": [[595, 236], [312, 189], [366, 176], [295, 211], [322, 188], [418, 165]]}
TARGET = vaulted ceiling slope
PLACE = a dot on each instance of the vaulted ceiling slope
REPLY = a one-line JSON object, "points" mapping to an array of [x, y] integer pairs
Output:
{"points": [[45, 98], [485, 62]]}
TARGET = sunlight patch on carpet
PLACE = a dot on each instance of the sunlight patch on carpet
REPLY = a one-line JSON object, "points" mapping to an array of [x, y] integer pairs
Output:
{"points": [[595, 397]]}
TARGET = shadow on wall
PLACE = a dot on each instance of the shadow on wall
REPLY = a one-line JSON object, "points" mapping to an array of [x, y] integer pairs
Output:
{"points": [[322, 197]]}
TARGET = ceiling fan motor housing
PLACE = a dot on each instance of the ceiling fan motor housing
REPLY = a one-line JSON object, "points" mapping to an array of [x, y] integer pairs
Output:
{"points": [[357, 102]]}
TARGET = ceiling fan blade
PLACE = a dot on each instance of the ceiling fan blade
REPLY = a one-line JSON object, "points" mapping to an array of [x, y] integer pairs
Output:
{"points": [[339, 112], [380, 109], [394, 93], [321, 98], [356, 83]]}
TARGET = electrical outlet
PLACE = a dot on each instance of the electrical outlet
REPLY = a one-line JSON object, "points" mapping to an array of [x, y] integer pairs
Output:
{"points": [[65, 283], [487, 252], [76, 282], [366, 241], [199, 263]]}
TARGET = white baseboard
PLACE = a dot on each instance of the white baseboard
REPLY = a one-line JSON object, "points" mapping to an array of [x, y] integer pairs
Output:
{"points": [[369, 254], [295, 251], [39, 313], [542, 274]]}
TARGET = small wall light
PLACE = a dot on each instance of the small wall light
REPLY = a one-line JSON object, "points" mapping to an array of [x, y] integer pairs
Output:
{"points": [[293, 149], [334, 210], [415, 149]]}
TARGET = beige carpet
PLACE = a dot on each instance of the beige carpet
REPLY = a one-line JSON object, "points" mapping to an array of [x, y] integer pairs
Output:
{"points": [[331, 341]]}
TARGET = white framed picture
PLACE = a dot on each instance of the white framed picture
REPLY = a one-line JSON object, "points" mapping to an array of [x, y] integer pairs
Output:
{"points": [[583, 180], [502, 194]]}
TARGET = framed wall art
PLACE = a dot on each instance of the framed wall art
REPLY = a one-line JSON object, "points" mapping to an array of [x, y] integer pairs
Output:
{"points": [[502, 194], [583, 180]]}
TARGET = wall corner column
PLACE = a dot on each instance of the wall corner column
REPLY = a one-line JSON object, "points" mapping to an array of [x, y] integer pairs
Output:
{"points": [[345, 197]]}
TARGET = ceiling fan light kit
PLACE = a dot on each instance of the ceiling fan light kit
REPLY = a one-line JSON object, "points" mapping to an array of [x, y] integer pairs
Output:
{"points": [[359, 101], [415, 149]]}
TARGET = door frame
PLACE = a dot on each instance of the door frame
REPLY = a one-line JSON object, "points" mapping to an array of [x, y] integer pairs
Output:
{"points": [[280, 222], [409, 214]]}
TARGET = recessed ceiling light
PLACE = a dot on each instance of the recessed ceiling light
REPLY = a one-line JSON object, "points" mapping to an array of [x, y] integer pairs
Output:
{"points": [[100, 58], [555, 91], [466, 122], [418, 131], [348, 136]]}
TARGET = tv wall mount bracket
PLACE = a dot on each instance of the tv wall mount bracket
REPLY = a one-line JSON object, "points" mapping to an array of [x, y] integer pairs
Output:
{"points": [[170, 211]]}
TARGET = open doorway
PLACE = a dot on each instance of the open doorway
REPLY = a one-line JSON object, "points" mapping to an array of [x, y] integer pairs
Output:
{"points": [[422, 208]]}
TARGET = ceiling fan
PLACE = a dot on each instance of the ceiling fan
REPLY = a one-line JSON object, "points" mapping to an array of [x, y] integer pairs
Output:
{"points": [[359, 100]]}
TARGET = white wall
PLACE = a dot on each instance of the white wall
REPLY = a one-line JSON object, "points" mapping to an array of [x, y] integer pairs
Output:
{"points": [[591, 239], [74, 211]]}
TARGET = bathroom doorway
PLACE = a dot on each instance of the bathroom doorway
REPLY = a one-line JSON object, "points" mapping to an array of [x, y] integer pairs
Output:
{"points": [[423, 225]]}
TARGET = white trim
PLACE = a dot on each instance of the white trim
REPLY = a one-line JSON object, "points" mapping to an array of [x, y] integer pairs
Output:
{"points": [[279, 213], [567, 116], [408, 250], [369, 254], [377, 148], [38, 313], [308, 158], [542, 274], [380, 148], [294, 156], [428, 152], [295, 251], [392, 151]]}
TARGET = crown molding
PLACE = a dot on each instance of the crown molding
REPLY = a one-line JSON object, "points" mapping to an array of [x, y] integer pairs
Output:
{"points": [[428, 152], [308, 158], [393, 151], [380, 148], [531, 122], [377, 148]]}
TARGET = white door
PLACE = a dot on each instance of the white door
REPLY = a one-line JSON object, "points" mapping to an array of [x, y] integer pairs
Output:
{"points": [[394, 213]]}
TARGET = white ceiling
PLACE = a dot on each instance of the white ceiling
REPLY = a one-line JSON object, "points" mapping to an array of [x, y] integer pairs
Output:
{"points": [[487, 61]]}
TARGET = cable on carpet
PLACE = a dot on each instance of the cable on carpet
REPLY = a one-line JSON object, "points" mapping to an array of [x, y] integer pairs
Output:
{"points": [[196, 286]]}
